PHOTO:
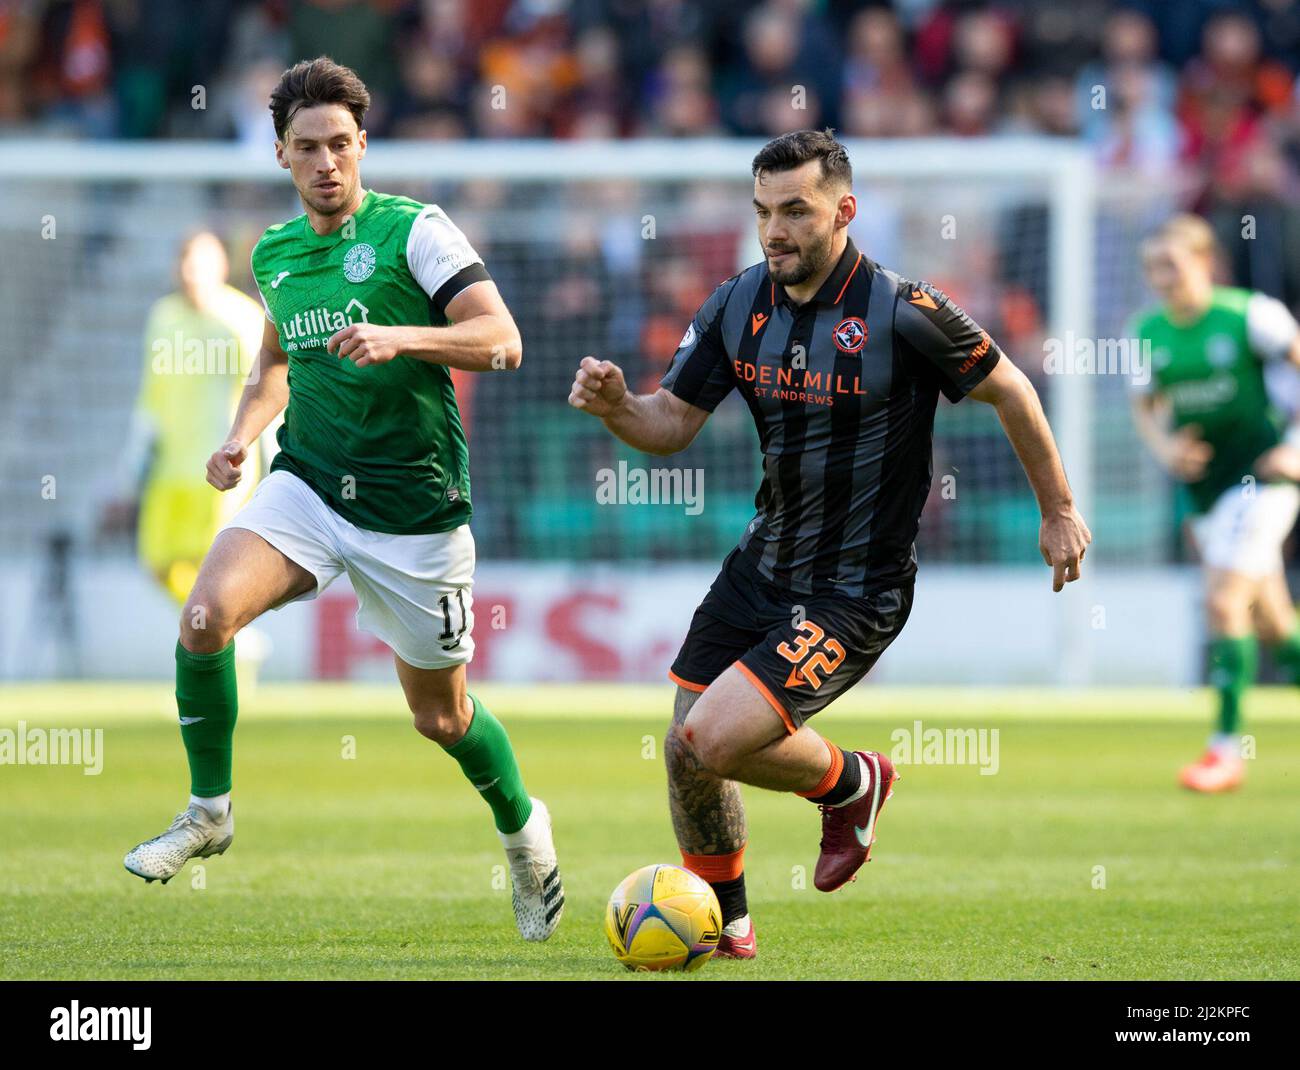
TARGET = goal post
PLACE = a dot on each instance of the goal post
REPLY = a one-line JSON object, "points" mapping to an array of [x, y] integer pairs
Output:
{"points": [[602, 247]]}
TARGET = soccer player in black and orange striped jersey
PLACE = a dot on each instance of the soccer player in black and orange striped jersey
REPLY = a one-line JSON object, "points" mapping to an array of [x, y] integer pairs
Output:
{"points": [[841, 363]]}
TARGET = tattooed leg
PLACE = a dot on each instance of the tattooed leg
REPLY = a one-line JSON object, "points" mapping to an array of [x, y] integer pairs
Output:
{"points": [[708, 816], [709, 820]]}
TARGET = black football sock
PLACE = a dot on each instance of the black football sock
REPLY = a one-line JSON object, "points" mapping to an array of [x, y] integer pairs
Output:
{"points": [[731, 897], [847, 782]]}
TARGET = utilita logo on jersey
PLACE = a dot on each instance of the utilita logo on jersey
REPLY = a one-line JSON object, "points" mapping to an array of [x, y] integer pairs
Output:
{"points": [[313, 328]]}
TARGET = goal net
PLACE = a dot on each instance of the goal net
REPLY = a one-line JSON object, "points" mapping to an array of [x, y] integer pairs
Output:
{"points": [[605, 249]]}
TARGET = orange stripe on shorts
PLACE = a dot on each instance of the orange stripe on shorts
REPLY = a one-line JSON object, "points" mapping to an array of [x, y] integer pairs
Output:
{"points": [[767, 694], [685, 683]]}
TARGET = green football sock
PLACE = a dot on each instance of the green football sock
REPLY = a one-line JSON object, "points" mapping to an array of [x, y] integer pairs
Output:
{"points": [[487, 760], [1232, 670], [1287, 656], [207, 698]]}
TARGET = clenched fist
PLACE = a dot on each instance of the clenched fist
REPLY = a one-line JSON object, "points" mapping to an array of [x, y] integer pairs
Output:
{"points": [[223, 466], [598, 387]]}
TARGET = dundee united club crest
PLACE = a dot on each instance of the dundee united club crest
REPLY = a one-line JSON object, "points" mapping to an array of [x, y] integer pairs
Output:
{"points": [[850, 335], [359, 262]]}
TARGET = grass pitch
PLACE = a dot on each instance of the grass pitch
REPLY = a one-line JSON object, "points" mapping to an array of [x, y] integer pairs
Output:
{"points": [[1080, 858]]}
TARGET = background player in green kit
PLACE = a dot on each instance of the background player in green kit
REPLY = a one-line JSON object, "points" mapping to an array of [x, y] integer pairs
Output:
{"points": [[1214, 414], [369, 299]]}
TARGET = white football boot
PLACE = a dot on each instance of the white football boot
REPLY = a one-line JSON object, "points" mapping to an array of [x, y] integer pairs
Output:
{"points": [[194, 833], [536, 891]]}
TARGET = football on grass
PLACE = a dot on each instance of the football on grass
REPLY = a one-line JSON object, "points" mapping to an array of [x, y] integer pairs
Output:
{"points": [[663, 917]]}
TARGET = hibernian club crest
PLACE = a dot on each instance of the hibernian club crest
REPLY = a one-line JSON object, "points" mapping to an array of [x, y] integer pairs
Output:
{"points": [[359, 262]]}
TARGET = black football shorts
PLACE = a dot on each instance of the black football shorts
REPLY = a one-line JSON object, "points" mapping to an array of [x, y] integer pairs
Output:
{"points": [[801, 651]]}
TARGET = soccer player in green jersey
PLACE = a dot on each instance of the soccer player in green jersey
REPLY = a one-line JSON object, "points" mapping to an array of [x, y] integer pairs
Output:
{"points": [[369, 299], [1222, 379]]}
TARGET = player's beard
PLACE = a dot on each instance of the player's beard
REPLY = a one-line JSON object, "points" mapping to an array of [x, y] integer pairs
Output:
{"points": [[808, 263], [322, 208]]}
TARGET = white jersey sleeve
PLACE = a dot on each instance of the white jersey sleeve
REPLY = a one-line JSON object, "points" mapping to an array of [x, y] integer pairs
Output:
{"points": [[440, 257], [1270, 327], [1282, 383]]}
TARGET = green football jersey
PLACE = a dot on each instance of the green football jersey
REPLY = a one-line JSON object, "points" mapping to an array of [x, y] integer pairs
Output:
{"points": [[1212, 373], [382, 445]]}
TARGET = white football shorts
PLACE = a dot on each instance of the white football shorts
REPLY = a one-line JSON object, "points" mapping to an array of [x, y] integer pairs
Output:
{"points": [[413, 591], [1245, 529]]}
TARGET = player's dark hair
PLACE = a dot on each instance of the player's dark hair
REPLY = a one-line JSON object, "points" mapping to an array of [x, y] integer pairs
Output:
{"points": [[317, 81], [795, 149]]}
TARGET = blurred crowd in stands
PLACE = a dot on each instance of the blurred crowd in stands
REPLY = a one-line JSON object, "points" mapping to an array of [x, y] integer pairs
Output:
{"points": [[1148, 84], [1205, 88]]}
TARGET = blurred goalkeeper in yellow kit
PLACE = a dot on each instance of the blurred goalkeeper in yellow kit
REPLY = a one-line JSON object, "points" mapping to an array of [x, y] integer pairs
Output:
{"points": [[200, 343]]}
